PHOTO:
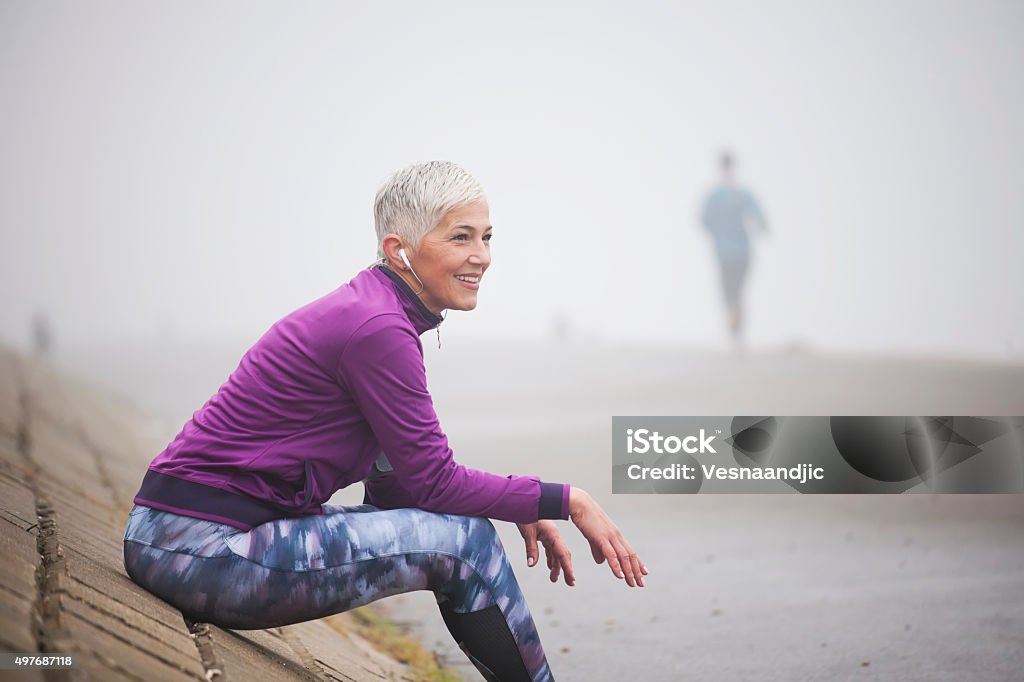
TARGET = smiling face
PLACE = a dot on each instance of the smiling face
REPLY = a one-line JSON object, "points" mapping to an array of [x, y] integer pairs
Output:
{"points": [[452, 258]]}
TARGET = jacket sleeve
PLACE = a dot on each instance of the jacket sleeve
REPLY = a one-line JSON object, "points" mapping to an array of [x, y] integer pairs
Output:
{"points": [[382, 367]]}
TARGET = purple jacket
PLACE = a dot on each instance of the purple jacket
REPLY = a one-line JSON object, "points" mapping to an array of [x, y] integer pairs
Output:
{"points": [[314, 404]]}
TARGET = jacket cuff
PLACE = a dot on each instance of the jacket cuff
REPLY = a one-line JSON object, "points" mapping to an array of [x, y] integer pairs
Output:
{"points": [[554, 501]]}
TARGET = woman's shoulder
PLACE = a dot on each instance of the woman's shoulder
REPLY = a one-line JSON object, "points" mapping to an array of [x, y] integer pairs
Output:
{"points": [[323, 328], [349, 306]]}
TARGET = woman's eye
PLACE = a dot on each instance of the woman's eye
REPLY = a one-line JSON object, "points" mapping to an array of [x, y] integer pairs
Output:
{"points": [[461, 237], [487, 237]]}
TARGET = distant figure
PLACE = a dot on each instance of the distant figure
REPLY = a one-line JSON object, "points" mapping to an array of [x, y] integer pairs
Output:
{"points": [[42, 336], [727, 212]]}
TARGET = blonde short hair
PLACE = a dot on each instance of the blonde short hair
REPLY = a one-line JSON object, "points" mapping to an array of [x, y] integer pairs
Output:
{"points": [[413, 200]]}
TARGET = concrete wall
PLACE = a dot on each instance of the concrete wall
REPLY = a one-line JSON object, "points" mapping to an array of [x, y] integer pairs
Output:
{"points": [[71, 459]]}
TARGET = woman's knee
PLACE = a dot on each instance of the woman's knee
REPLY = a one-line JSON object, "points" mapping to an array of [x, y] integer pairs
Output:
{"points": [[466, 538], [478, 525], [482, 536]]}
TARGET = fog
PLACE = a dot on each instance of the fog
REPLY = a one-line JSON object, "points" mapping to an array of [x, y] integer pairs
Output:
{"points": [[176, 176], [194, 171]]}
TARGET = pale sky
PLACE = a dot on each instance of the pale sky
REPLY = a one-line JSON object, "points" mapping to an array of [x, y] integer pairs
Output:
{"points": [[200, 169]]}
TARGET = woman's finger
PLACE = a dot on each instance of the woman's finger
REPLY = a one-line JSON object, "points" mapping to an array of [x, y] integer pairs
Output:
{"points": [[638, 573], [634, 564], [560, 561], [549, 552], [639, 570], [532, 553], [613, 559], [570, 575], [625, 563], [563, 558]]}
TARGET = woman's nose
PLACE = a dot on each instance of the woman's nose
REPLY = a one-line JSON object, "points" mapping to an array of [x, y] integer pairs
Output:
{"points": [[480, 256]]}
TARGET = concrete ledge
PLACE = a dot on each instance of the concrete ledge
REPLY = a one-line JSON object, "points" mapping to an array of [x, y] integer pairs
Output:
{"points": [[71, 458]]}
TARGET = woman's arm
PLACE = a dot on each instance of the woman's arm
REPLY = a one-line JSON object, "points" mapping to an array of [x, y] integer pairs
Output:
{"points": [[382, 369]]}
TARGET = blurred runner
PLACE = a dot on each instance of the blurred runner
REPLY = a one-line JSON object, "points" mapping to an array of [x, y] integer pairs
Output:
{"points": [[728, 211]]}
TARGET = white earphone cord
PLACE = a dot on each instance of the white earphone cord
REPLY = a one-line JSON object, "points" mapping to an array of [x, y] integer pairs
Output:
{"points": [[444, 313]]}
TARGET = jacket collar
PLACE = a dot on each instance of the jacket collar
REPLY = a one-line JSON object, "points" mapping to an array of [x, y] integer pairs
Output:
{"points": [[420, 316]]}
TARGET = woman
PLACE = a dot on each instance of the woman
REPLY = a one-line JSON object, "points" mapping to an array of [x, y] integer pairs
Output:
{"points": [[230, 524]]}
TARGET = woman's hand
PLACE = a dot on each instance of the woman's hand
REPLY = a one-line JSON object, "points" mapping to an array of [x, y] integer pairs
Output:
{"points": [[557, 553], [605, 538]]}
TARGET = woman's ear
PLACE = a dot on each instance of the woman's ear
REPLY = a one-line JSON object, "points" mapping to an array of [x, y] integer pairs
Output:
{"points": [[392, 244]]}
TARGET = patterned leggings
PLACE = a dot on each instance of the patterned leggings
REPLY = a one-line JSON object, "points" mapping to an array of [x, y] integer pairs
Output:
{"points": [[298, 569]]}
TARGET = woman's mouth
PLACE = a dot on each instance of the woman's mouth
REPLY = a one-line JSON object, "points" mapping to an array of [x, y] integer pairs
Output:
{"points": [[471, 282]]}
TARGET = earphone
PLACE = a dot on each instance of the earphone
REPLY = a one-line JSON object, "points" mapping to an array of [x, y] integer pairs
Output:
{"points": [[405, 259]]}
